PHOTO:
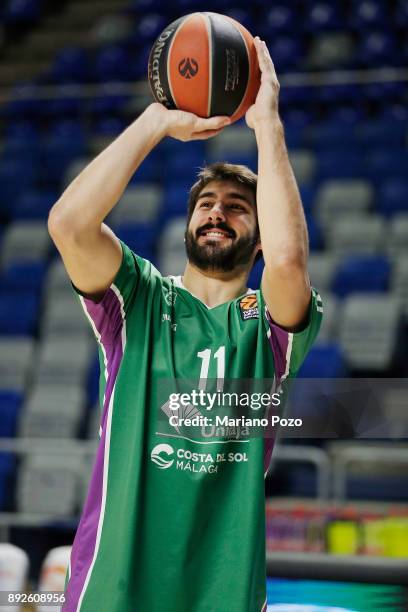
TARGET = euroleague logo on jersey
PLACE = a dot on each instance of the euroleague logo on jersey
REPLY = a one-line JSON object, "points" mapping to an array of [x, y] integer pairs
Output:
{"points": [[248, 306], [157, 456]]}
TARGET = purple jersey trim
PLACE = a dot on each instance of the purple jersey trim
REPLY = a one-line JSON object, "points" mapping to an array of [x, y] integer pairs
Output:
{"points": [[108, 323], [279, 341]]}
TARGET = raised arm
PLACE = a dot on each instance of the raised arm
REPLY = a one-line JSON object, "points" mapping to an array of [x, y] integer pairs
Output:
{"points": [[283, 231], [90, 250]]}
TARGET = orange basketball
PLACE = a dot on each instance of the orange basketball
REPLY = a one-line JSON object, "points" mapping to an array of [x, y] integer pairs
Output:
{"points": [[205, 63]]}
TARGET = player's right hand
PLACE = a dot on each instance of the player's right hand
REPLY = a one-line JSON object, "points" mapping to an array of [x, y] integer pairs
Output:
{"points": [[186, 126]]}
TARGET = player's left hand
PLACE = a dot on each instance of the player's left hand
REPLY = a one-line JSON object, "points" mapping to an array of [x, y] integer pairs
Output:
{"points": [[265, 108]]}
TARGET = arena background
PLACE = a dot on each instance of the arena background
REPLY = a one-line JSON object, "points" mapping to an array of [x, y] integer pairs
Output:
{"points": [[72, 76]]}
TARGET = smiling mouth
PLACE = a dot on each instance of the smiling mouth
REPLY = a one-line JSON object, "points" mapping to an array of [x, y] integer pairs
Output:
{"points": [[217, 234]]}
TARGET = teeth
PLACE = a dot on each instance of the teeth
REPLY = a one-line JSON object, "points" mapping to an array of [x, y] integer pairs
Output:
{"points": [[215, 234]]}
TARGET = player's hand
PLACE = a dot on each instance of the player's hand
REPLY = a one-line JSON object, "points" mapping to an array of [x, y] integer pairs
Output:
{"points": [[265, 108], [187, 126]]}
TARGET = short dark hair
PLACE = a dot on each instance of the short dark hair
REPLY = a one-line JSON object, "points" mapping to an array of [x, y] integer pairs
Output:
{"points": [[220, 171], [223, 171]]}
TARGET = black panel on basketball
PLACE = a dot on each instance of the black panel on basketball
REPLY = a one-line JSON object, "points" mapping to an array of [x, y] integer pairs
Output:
{"points": [[157, 66], [230, 66]]}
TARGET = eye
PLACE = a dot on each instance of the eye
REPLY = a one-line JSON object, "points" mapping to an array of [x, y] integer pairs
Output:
{"points": [[236, 207], [205, 204]]}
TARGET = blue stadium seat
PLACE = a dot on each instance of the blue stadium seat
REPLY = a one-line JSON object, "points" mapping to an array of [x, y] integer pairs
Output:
{"points": [[22, 137], [381, 132], [396, 111], [324, 361], [389, 92], [16, 175], [368, 14], [109, 100], [139, 237], [92, 384], [392, 196], [300, 96], [331, 134], [323, 16], [334, 164], [112, 63], [25, 101], [243, 16], [336, 94], [181, 167], [70, 66], [348, 113], [386, 163], [279, 19], [294, 136], [149, 171], [34, 205], [67, 102], [286, 51], [307, 194], [67, 140], [148, 27], [68, 134], [255, 276], [109, 126], [171, 147], [315, 233], [139, 61], [232, 157], [175, 199], [376, 49], [370, 274], [18, 313], [10, 404], [23, 276], [296, 119]]}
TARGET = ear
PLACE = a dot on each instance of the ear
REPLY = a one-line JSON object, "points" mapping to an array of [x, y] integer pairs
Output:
{"points": [[257, 252]]}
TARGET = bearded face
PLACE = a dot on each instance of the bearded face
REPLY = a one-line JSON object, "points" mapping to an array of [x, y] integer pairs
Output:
{"points": [[222, 233], [215, 247]]}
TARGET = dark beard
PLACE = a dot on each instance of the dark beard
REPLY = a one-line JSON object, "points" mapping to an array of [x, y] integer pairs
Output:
{"points": [[217, 258]]}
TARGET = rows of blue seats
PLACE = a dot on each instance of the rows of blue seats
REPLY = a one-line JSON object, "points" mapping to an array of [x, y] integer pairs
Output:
{"points": [[378, 32], [299, 106], [306, 15], [343, 128], [353, 274], [32, 167], [121, 63]]}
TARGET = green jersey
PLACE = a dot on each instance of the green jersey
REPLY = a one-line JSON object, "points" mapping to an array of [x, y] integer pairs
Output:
{"points": [[173, 523]]}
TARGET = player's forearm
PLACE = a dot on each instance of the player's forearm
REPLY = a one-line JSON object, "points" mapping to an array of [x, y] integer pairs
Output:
{"points": [[280, 213], [92, 195]]}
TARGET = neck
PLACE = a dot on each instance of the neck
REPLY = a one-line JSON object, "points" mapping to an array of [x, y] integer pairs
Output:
{"points": [[215, 288]]}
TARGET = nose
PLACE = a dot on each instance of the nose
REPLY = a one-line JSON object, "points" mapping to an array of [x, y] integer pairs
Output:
{"points": [[216, 213]]}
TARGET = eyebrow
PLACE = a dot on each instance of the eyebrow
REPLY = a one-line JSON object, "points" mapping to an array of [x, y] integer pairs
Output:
{"points": [[232, 194]]}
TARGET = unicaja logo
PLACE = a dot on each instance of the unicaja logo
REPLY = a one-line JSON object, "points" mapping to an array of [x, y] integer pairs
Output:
{"points": [[160, 456]]}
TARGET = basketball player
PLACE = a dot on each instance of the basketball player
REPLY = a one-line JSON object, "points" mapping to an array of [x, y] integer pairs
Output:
{"points": [[172, 523]]}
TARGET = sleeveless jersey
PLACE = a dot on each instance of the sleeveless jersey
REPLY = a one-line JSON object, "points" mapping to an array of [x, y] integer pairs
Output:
{"points": [[172, 523]]}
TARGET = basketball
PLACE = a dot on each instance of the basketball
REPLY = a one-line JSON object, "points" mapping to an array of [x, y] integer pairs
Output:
{"points": [[205, 63]]}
